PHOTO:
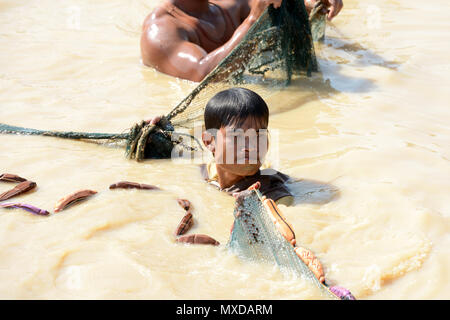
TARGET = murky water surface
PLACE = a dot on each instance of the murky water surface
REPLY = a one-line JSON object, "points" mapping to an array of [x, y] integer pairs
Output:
{"points": [[369, 152]]}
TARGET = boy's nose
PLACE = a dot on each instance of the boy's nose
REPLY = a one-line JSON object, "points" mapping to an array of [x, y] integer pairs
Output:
{"points": [[249, 155], [251, 144]]}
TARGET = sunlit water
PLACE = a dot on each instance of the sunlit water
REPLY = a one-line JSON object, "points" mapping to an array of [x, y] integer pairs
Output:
{"points": [[368, 150]]}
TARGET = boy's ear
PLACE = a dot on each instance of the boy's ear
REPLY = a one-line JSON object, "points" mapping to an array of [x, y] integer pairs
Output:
{"points": [[209, 141]]}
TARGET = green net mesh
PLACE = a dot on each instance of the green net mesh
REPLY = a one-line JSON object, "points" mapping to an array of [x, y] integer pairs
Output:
{"points": [[278, 48], [317, 21], [255, 237]]}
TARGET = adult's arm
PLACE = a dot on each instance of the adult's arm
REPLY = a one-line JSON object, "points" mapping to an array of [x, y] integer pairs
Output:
{"points": [[167, 49]]}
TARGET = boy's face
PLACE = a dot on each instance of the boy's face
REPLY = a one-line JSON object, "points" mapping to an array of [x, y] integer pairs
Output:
{"points": [[240, 150]]}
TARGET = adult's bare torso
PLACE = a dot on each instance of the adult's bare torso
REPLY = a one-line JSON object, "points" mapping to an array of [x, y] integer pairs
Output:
{"points": [[212, 31], [208, 31]]}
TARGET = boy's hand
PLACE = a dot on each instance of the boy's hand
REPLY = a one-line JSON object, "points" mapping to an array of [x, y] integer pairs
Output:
{"points": [[153, 120]]}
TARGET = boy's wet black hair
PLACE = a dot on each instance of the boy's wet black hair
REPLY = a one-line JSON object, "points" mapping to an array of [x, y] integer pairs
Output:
{"points": [[233, 107]]}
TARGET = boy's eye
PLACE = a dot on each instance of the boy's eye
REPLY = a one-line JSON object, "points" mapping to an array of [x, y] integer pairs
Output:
{"points": [[239, 133]]}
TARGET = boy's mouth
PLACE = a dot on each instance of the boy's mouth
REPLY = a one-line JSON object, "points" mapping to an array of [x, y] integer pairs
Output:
{"points": [[246, 157]]}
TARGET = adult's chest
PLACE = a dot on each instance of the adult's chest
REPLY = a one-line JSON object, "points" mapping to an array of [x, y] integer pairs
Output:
{"points": [[211, 32]]}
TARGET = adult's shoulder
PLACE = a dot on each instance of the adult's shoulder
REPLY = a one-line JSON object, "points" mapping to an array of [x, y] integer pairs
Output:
{"points": [[159, 16], [236, 3], [160, 35], [238, 8]]}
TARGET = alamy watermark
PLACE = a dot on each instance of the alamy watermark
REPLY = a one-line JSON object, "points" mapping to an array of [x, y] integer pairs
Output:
{"points": [[373, 14], [73, 20], [229, 146]]}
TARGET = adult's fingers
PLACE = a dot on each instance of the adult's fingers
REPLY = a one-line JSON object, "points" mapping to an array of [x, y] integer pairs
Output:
{"points": [[153, 120], [276, 3], [335, 8]]}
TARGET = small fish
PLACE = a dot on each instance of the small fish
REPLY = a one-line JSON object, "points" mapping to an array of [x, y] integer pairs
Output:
{"points": [[311, 261], [132, 185], [185, 224], [27, 207], [198, 239], [342, 293], [19, 189], [72, 198], [185, 204], [9, 177]]}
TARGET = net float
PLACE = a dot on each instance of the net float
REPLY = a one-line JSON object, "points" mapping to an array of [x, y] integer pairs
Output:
{"points": [[312, 262], [66, 201], [198, 239], [279, 220], [9, 177], [27, 207], [185, 204], [185, 224], [342, 293], [132, 185], [22, 187]]}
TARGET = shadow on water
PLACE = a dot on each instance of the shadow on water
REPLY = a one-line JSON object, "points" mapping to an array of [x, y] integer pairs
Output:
{"points": [[312, 192], [363, 56], [335, 54], [301, 90], [333, 72]]}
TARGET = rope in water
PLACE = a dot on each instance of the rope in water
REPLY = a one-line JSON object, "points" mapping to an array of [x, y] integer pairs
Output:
{"points": [[136, 137], [8, 129], [140, 143]]}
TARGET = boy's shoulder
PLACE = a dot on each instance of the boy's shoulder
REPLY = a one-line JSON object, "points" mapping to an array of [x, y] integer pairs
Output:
{"points": [[272, 183]]}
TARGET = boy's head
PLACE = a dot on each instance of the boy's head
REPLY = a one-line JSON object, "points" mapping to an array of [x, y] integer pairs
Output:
{"points": [[236, 122]]}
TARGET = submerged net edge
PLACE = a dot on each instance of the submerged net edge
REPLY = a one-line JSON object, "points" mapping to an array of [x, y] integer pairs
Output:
{"points": [[254, 237]]}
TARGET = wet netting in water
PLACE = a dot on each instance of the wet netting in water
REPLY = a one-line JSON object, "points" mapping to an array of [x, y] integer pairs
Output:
{"points": [[277, 48], [255, 237]]}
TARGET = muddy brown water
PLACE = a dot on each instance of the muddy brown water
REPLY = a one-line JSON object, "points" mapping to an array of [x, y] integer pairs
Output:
{"points": [[369, 153]]}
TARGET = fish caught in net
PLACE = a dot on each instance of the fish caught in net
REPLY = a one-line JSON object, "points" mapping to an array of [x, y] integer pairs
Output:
{"points": [[277, 48], [257, 238]]}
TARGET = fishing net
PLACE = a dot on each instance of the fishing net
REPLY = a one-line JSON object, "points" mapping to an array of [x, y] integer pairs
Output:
{"points": [[277, 48], [255, 237], [317, 21]]}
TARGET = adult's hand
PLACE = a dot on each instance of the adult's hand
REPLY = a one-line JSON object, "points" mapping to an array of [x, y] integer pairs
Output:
{"points": [[257, 7], [332, 7], [153, 120]]}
